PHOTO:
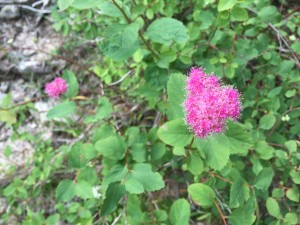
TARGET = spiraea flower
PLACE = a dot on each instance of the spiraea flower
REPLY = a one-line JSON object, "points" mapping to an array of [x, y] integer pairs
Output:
{"points": [[209, 104], [55, 88]]}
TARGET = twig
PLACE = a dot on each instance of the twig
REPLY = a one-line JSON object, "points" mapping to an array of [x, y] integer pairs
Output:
{"points": [[41, 11], [122, 78], [221, 214], [289, 14], [21, 103]]}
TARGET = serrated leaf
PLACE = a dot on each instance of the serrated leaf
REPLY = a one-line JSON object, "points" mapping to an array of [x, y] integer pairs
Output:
{"points": [[226, 4], [166, 31], [239, 193], [180, 212], [65, 191], [216, 150], [114, 193], [273, 208], [141, 179], [112, 147], [202, 194], [62, 110], [175, 133], [264, 178], [176, 95], [239, 139]]}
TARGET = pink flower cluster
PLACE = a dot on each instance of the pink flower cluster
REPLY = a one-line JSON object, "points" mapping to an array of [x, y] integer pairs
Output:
{"points": [[56, 87], [208, 104]]}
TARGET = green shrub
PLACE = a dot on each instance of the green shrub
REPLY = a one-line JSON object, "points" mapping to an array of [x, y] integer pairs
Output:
{"points": [[140, 164]]}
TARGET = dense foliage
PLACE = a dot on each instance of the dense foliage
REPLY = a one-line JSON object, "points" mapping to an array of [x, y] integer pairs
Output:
{"points": [[133, 160]]}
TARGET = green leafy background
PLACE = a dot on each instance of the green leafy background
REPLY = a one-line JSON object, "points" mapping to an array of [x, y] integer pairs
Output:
{"points": [[132, 159]]}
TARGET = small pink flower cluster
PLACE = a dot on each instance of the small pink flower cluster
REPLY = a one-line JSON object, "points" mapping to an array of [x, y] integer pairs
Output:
{"points": [[208, 104], [56, 87]]}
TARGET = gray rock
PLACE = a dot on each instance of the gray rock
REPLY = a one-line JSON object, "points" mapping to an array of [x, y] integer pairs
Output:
{"points": [[10, 12]]}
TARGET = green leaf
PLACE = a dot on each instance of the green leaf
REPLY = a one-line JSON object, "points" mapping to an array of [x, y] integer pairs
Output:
{"points": [[112, 147], [293, 193], [264, 178], [121, 41], [116, 173], [290, 93], [202, 194], [84, 190], [291, 218], [180, 212], [104, 108], [239, 193], [160, 215], [109, 9], [133, 211], [86, 4], [8, 116], [114, 193], [62, 110], [296, 47], [274, 92], [239, 14], [273, 208], [295, 174], [166, 31], [158, 150], [244, 214], [175, 133], [291, 146], [176, 96], [72, 82], [64, 4], [267, 122], [264, 150], [80, 154], [239, 139], [268, 14], [139, 152], [195, 164], [65, 191], [179, 150], [6, 100], [53, 219], [141, 179], [226, 4], [216, 151]]}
